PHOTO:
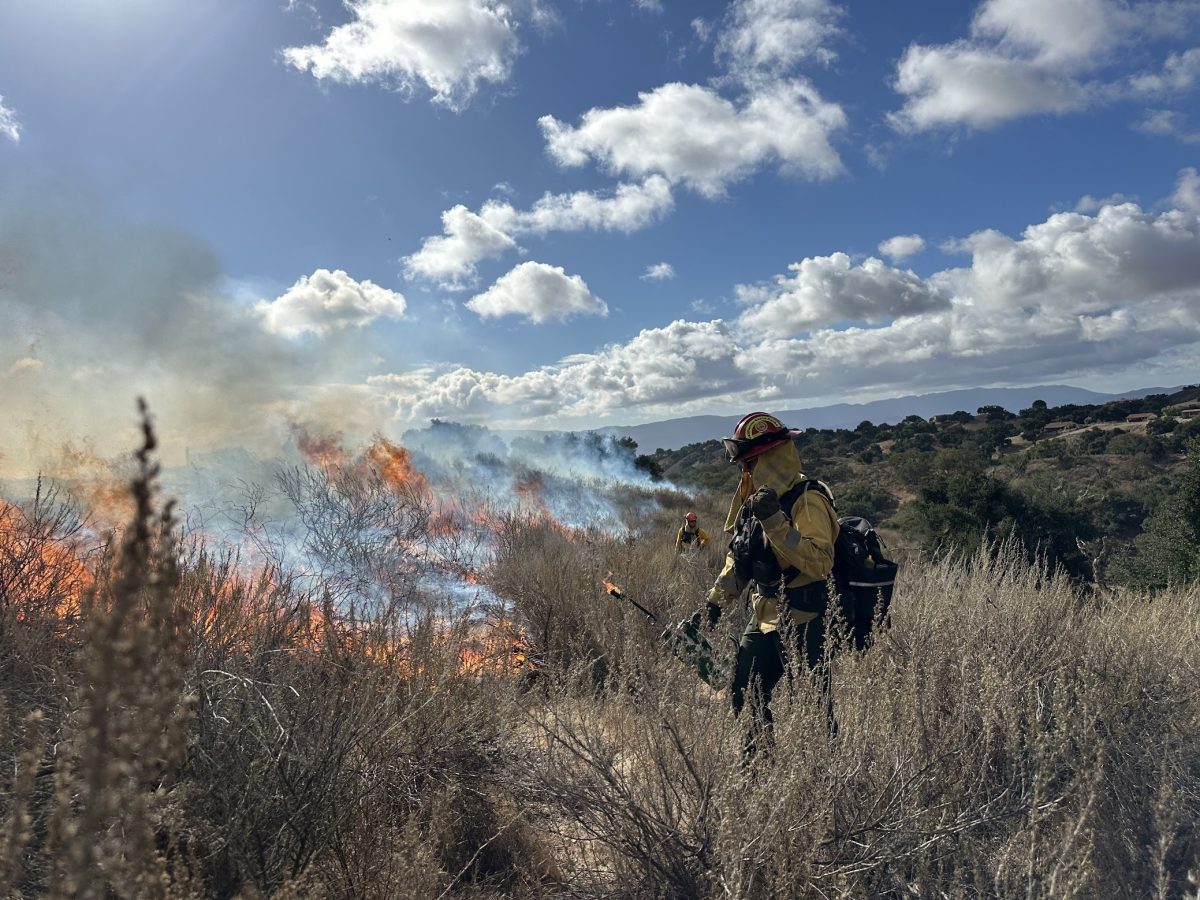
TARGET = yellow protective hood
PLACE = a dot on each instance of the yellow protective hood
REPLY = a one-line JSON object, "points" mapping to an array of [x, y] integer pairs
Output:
{"points": [[778, 469]]}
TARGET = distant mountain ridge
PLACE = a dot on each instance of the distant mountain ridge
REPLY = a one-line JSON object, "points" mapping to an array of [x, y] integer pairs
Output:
{"points": [[672, 434]]}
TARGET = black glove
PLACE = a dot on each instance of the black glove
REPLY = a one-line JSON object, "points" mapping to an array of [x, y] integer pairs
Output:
{"points": [[712, 612], [763, 503]]}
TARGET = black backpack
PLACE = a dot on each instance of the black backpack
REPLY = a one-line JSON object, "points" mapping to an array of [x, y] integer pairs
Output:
{"points": [[862, 576]]}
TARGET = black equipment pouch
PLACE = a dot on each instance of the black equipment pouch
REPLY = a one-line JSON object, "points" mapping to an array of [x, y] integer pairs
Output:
{"points": [[811, 598], [753, 559]]}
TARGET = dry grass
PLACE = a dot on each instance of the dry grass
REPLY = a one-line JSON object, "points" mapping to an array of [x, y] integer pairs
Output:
{"points": [[193, 733]]}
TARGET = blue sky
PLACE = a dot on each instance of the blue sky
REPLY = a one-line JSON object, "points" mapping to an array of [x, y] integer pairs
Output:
{"points": [[565, 213]]}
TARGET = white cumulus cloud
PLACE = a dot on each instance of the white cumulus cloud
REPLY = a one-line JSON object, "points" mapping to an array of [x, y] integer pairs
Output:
{"points": [[470, 394], [774, 36], [1075, 295], [468, 238], [902, 246], [1168, 123], [9, 126], [1075, 264], [539, 292], [961, 84], [660, 369], [328, 301], [1180, 72], [827, 289], [1187, 191], [1024, 57], [676, 134], [1068, 31], [1089, 204], [450, 46], [630, 207], [662, 271], [692, 135]]}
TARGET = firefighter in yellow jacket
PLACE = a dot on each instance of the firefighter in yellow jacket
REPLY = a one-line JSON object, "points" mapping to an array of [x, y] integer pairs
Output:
{"points": [[690, 535], [783, 529]]}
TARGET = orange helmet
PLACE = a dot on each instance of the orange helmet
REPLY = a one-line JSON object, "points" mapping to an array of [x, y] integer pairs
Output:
{"points": [[756, 433], [691, 517]]}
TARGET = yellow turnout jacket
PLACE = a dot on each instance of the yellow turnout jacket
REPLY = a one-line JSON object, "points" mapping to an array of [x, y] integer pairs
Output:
{"points": [[700, 537], [805, 543]]}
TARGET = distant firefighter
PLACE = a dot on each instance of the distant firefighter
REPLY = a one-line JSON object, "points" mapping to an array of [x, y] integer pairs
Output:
{"points": [[690, 535]]}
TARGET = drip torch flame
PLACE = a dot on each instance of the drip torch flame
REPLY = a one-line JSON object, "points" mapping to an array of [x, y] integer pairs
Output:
{"points": [[617, 593], [612, 588]]}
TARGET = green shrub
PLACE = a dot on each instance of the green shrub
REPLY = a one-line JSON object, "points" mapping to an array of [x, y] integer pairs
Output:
{"points": [[872, 503]]}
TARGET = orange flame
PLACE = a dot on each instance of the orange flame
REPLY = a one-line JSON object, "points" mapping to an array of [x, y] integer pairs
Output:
{"points": [[612, 588], [394, 464], [324, 451], [237, 609], [495, 648], [529, 489], [40, 572]]}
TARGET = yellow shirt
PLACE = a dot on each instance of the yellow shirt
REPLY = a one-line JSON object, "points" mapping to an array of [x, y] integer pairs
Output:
{"points": [[701, 537]]}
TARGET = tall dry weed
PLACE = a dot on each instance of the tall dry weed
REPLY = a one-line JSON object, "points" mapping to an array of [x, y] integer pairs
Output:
{"points": [[112, 821]]}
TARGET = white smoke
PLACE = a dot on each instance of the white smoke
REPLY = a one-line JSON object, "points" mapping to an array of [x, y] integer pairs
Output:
{"points": [[576, 475], [96, 311]]}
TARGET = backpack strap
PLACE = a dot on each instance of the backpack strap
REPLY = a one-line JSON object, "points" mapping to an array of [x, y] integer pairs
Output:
{"points": [[788, 500], [797, 490]]}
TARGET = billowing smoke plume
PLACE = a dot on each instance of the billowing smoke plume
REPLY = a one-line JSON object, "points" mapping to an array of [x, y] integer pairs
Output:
{"points": [[573, 476], [95, 312]]}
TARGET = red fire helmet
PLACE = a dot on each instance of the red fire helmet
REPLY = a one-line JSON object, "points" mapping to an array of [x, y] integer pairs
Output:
{"points": [[691, 517], [756, 433]]}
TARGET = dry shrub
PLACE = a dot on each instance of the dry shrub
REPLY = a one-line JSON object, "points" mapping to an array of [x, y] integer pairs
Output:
{"points": [[357, 768], [342, 754], [554, 579], [625, 784], [1006, 738], [198, 731], [43, 576], [224, 735]]}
